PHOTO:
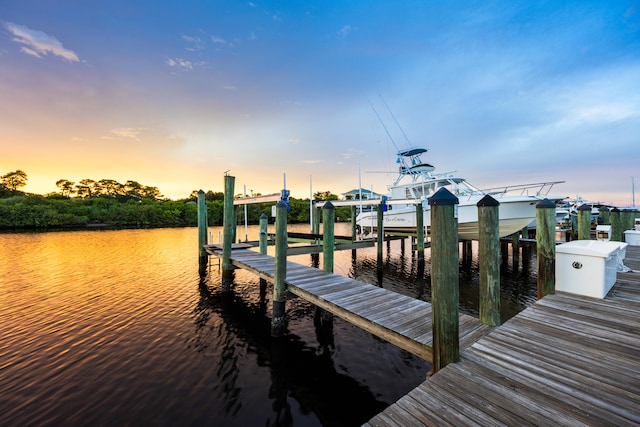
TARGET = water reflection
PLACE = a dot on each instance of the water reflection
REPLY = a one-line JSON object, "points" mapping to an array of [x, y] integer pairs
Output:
{"points": [[300, 375]]}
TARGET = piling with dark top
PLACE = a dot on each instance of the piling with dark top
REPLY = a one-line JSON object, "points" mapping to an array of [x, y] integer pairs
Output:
{"points": [[616, 225], [546, 247], [603, 214], [380, 236], [584, 222], [328, 239], [228, 232], [444, 279], [280, 271], [489, 259], [420, 231]]}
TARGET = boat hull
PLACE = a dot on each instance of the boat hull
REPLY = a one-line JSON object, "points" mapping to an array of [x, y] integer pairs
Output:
{"points": [[514, 214]]}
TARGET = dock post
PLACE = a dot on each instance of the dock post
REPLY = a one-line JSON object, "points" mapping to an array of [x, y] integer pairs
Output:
{"points": [[489, 260], [228, 232], [603, 214], [616, 225], [354, 234], [546, 246], [380, 237], [445, 279], [280, 271], [328, 238], [202, 228], [420, 231], [263, 234], [584, 222], [316, 221]]}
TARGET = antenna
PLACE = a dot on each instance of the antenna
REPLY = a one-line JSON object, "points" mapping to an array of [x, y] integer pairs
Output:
{"points": [[385, 128], [396, 120]]}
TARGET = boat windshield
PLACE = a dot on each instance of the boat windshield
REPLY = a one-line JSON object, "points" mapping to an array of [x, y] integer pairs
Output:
{"points": [[457, 186]]}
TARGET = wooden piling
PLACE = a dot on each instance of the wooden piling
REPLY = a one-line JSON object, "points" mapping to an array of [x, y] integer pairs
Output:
{"points": [[354, 213], [444, 279], [228, 232], [280, 271], [546, 247], [603, 214], [328, 239], [202, 226], [616, 225], [584, 222], [380, 236], [264, 237], [420, 231], [489, 260]]}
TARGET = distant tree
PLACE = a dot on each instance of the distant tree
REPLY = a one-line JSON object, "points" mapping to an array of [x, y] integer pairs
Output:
{"points": [[111, 188], [65, 186], [134, 189], [14, 180], [324, 195], [87, 188]]}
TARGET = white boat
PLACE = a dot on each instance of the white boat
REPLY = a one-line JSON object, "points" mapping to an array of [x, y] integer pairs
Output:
{"points": [[416, 182]]}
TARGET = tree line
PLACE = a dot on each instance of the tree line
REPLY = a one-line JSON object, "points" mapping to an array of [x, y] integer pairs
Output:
{"points": [[108, 203]]}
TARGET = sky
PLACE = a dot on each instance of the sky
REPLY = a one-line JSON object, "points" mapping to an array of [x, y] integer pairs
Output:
{"points": [[320, 95]]}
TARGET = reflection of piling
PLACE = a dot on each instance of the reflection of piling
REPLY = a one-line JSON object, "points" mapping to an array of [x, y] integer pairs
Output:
{"points": [[263, 242], [228, 232], [584, 222], [202, 229], [616, 225], [280, 271], [546, 247], [489, 256], [444, 279]]}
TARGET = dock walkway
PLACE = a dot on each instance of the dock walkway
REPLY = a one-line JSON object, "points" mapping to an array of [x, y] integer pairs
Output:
{"points": [[398, 319], [564, 361]]}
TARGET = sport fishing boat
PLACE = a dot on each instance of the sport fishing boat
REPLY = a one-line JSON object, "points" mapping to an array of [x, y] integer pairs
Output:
{"points": [[416, 182]]}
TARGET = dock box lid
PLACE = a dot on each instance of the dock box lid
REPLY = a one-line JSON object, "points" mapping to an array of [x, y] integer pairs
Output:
{"points": [[597, 248]]}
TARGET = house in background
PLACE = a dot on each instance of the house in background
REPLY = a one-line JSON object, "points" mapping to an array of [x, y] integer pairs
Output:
{"points": [[366, 194]]}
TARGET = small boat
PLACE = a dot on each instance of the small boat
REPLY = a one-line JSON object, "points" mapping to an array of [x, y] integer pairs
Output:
{"points": [[416, 182]]}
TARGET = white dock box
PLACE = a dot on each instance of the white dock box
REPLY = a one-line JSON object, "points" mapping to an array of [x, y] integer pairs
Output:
{"points": [[632, 237], [603, 232], [588, 267]]}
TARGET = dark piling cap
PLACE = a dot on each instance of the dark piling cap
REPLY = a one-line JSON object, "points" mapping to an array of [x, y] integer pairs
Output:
{"points": [[443, 197], [615, 210], [488, 201], [603, 209], [546, 203], [328, 205], [584, 208], [263, 215]]}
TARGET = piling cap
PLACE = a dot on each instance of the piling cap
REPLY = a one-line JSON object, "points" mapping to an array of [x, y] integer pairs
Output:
{"points": [[443, 197], [488, 201], [584, 208], [328, 205], [603, 209], [615, 210], [545, 203]]}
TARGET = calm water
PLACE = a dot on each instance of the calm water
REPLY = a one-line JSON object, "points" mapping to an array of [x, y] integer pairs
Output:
{"points": [[118, 328]]}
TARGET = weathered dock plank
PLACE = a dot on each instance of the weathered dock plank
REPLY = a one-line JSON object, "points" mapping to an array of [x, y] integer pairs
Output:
{"points": [[565, 361], [401, 320]]}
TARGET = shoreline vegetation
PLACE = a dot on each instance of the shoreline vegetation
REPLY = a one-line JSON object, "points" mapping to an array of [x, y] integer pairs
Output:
{"points": [[108, 204]]}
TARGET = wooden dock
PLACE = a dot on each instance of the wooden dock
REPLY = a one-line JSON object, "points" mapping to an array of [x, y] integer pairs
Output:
{"points": [[564, 361], [398, 319]]}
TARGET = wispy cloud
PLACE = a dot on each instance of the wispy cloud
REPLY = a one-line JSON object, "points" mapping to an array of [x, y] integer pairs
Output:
{"points": [[37, 43], [344, 31], [130, 133]]}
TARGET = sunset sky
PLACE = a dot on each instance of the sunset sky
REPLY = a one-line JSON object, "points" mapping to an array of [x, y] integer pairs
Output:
{"points": [[174, 94]]}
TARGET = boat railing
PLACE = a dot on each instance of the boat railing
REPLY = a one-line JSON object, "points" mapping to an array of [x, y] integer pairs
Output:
{"points": [[534, 189]]}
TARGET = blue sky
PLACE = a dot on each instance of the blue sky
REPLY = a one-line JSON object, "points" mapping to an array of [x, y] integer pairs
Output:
{"points": [[174, 94]]}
